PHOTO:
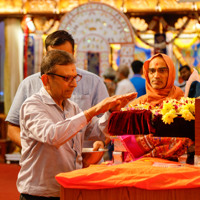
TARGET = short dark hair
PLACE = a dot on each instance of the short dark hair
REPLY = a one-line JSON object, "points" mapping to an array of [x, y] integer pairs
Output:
{"points": [[53, 58], [136, 66], [186, 67], [59, 37]]}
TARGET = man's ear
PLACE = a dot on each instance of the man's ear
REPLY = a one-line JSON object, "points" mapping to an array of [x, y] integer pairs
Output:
{"points": [[45, 79]]}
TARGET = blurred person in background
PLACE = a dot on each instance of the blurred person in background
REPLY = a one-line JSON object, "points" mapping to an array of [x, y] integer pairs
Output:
{"points": [[110, 80], [124, 85], [137, 80], [185, 72], [89, 92]]}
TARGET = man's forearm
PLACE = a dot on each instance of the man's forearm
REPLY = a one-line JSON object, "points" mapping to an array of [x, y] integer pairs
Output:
{"points": [[14, 134]]}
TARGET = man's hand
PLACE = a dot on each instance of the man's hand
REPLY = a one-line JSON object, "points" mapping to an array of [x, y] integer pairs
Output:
{"points": [[14, 134], [98, 145], [113, 103]]}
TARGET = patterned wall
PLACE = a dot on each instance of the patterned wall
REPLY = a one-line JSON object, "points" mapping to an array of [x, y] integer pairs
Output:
{"points": [[94, 27]]}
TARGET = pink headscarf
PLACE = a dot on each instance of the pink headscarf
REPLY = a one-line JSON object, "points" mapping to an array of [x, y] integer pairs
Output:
{"points": [[157, 96]]}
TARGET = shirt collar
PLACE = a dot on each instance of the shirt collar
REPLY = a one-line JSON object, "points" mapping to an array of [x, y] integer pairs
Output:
{"points": [[137, 75], [47, 99]]}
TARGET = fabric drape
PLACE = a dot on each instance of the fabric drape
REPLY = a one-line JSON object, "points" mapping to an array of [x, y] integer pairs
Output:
{"points": [[13, 65], [132, 122], [146, 173], [157, 96], [160, 147], [2, 56]]}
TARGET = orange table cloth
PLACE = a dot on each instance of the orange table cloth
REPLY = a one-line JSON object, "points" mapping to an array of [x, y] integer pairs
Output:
{"points": [[146, 173]]}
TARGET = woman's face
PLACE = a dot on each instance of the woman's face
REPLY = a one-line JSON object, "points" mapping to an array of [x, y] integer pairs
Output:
{"points": [[158, 73]]}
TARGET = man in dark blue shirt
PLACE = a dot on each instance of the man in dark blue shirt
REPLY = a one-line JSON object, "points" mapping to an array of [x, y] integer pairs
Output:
{"points": [[137, 80]]}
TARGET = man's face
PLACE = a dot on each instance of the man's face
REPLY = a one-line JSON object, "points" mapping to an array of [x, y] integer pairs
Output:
{"points": [[65, 47], [65, 88], [59, 87], [158, 73], [185, 74]]}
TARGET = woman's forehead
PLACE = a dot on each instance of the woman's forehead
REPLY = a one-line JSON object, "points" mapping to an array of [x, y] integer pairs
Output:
{"points": [[157, 61]]}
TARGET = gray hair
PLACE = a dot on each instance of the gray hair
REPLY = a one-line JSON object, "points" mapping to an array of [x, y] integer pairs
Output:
{"points": [[53, 58], [124, 69]]}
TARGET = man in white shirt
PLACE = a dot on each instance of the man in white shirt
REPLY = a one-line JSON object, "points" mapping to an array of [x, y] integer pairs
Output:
{"points": [[53, 128], [89, 92]]}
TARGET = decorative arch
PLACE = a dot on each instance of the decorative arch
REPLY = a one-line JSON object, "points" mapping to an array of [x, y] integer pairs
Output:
{"points": [[95, 44], [96, 25]]}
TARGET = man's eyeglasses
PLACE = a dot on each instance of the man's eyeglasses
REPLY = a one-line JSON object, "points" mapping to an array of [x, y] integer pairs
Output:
{"points": [[159, 70], [69, 79]]}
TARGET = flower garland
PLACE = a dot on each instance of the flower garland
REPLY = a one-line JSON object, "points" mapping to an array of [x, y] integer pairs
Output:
{"points": [[169, 109], [152, 24]]}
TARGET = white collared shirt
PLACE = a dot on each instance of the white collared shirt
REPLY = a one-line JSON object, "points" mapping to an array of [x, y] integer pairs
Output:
{"points": [[52, 141]]}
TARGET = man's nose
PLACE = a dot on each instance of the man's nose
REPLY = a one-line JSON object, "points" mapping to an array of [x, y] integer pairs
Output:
{"points": [[156, 74], [73, 83]]}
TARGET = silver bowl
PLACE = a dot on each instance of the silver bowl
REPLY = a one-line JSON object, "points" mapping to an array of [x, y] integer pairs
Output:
{"points": [[92, 157]]}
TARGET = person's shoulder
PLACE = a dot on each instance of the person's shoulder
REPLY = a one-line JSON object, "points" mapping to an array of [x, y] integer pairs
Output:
{"points": [[31, 84], [143, 79], [36, 95], [140, 78], [176, 83], [33, 77], [87, 73], [137, 76], [40, 98]]}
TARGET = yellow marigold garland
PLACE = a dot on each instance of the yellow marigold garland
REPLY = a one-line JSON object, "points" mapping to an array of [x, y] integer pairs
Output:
{"points": [[169, 109]]}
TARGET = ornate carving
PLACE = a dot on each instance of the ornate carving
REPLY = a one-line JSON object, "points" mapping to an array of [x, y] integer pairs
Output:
{"points": [[94, 26]]}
